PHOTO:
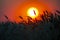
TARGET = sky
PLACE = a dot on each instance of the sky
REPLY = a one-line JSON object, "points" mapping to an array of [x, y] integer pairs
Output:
{"points": [[14, 8]]}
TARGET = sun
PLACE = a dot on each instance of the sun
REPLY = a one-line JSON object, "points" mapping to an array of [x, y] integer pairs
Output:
{"points": [[32, 12]]}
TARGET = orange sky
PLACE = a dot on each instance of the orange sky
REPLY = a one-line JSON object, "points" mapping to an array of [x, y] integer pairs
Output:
{"points": [[22, 9], [15, 8]]}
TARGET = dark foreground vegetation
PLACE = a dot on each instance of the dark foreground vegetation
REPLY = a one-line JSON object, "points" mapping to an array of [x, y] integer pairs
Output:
{"points": [[46, 29]]}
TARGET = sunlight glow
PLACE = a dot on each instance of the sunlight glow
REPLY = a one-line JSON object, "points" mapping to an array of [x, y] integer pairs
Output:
{"points": [[32, 12]]}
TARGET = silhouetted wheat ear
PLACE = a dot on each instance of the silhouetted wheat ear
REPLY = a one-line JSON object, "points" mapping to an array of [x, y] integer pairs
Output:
{"points": [[42, 17], [34, 12], [29, 17], [58, 11], [44, 13], [47, 13], [21, 17], [6, 17]]}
